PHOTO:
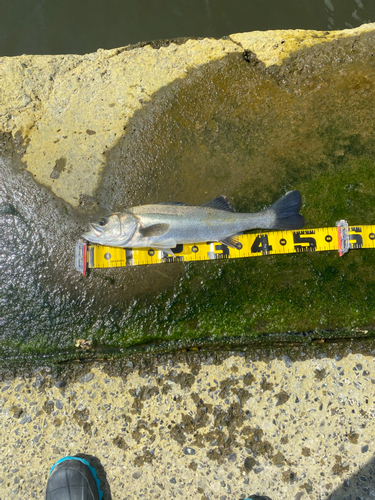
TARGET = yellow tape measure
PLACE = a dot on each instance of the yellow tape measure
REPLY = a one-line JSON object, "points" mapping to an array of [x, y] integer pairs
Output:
{"points": [[341, 238]]}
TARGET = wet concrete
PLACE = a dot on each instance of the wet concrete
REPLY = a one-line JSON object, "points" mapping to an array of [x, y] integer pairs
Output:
{"points": [[251, 117], [248, 129], [217, 425]]}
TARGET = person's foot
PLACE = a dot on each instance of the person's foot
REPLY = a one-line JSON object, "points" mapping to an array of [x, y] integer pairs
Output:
{"points": [[72, 478]]}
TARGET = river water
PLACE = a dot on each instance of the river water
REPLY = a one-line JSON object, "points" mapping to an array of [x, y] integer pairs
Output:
{"points": [[71, 27]]}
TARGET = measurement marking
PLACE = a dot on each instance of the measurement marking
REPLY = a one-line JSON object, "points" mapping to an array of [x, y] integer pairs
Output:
{"points": [[341, 238]]}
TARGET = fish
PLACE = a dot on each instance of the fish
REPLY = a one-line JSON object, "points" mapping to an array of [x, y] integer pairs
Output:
{"points": [[163, 226]]}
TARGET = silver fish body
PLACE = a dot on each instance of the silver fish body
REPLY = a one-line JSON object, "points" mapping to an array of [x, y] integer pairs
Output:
{"points": [[163, 226]]}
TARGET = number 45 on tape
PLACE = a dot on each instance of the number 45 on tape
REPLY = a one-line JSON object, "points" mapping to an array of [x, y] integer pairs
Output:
{"points": [[342, 237]]}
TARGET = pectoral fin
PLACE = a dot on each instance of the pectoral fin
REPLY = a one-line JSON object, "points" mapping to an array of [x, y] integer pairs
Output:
{"points": [[154, 230]]}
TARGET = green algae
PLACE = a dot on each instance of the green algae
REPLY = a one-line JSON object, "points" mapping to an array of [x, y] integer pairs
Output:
{"points": [[255, 134]]}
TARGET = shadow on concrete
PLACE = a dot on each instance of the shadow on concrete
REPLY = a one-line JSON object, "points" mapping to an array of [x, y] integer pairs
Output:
{"points": [[359, 486]]}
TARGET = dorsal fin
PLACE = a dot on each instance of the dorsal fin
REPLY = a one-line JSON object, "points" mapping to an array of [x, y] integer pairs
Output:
{"points": [[173, 203], [220, 203]]}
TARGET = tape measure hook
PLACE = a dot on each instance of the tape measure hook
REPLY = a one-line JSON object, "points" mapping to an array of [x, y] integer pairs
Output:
{"points": [[81, 256], [343, 236]]}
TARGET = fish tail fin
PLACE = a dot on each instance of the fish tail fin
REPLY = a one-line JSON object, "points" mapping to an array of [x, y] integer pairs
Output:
{"points": [[286, 211]]}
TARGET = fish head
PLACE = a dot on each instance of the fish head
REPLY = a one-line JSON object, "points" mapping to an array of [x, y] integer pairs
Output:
{"points": [[115, 230]]}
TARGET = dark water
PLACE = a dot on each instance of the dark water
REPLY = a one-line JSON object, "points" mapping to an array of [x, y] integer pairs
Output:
{"points": [[71, 26]]}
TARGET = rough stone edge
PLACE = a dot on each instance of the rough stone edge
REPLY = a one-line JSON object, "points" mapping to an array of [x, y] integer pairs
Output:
{"points": [[273, 47], [30, 87]]}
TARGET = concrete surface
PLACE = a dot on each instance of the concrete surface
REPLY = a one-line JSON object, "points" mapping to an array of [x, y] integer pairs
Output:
{"points": [[195, 425]]}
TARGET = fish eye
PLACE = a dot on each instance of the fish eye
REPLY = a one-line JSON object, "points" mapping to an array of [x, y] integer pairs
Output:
{"points": [[103, 221]]}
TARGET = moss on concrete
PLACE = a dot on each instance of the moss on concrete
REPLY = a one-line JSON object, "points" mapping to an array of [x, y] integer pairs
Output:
{"points": [[187, 122]]}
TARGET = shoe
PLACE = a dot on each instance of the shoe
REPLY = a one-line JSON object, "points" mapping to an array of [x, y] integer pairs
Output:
{"points": [[257, 497], [73, 478]]}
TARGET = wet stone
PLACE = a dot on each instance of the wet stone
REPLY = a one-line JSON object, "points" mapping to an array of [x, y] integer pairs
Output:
{"points": [[188, 451], [287, 361], [36, 439], [39, 382], [86, 378], [364, 449], [249, 463], [60, 384], [25, 420], [59, 404]]}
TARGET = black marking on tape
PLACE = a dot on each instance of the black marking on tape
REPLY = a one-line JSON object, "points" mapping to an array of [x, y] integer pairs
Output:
{"points": [[224, 249], [299, 237], [261, 244], [358, 240], [307, 231], [178, 248], [173, 259]]}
